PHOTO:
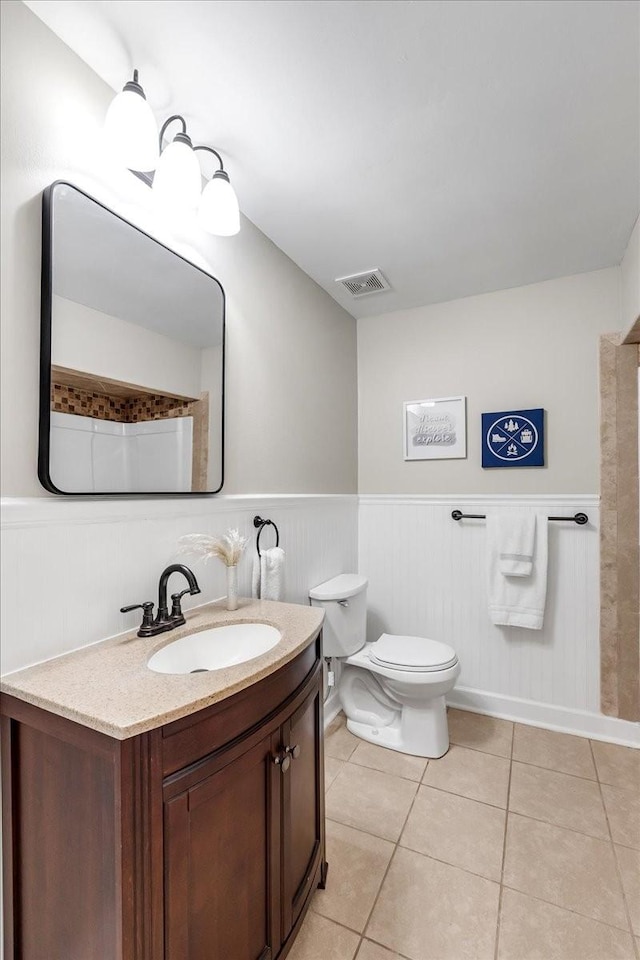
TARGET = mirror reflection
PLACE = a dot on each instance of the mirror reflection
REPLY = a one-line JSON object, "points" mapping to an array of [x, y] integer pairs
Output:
{"points": [[137, 358]]}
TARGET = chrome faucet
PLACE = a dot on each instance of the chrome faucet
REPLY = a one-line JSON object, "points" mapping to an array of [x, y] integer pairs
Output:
{"points": [[164, 620]]}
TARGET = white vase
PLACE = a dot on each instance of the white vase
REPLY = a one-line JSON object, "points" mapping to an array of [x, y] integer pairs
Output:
{"points": [[232, 587]]}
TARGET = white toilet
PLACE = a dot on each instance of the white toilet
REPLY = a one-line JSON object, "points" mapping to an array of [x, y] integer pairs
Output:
{"points": [[392, 691]]}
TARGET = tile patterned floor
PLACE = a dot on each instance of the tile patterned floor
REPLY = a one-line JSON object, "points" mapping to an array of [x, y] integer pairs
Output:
{"points": [[519, 844]]}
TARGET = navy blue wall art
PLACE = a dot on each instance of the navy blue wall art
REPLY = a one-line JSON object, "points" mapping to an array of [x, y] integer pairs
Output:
{"points": [[513, 438]]}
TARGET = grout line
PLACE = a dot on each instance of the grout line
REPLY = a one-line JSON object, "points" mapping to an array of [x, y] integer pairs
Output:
{"points": [[338, 923], [403, 956], [464, 796], [367, 833], [552, 903], [539, 766], [504, 849], [447, 863], [634, 942], [341, 759], [558, 826], [467, 746], [633, 791], [391, 858], [383, 773], [400, 776]]}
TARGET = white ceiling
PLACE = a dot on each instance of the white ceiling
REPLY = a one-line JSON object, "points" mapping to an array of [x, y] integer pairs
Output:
{"points": [[461, 146]]}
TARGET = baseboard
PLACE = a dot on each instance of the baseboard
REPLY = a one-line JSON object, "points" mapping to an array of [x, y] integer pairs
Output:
{"points": [[580, 723]]}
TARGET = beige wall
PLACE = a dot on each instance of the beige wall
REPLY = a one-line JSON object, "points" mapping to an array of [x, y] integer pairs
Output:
{"points": [[93, 342], [534, 346], [630, 280], [291, 374]]}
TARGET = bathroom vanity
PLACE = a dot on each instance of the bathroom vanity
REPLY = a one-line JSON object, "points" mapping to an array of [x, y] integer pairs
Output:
{"points": [[151, 816]]}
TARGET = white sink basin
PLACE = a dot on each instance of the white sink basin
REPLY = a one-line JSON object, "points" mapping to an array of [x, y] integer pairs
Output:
{"points": [[215, 649]]}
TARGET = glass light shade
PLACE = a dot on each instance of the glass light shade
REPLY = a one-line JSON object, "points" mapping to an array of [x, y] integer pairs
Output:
{"points": [[131, 131], [178, 179], [219, 212]]}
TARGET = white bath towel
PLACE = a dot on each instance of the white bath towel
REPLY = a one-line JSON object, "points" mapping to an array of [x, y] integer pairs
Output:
{"points": [[255, 576], [267, 582], [516, 536], [517, 601]]}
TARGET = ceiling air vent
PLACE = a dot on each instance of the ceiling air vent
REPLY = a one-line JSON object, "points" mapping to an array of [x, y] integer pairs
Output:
{"points": [[362, 284]]}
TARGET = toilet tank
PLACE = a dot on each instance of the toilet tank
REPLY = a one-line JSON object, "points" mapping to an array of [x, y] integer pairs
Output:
{"points": [[344, 601]]}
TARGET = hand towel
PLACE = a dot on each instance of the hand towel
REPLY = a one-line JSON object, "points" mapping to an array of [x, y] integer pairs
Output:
{"points": [[255, 576], [268, 574], [517, 601], [516, 533]]}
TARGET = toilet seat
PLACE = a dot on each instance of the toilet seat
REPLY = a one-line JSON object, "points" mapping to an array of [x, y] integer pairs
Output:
{"points": [[412, 654]]}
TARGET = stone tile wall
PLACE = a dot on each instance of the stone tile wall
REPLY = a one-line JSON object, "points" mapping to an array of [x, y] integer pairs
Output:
{"points": [[100, 406], [619, 551]]}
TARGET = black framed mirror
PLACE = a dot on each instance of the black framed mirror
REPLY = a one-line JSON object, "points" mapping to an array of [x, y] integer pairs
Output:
{"points": [[131, 361]]}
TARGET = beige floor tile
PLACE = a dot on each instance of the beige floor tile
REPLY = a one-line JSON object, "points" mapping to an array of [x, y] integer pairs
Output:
{"points": [[623, 810], [619, 766], [389, 761], [371, 801], [340, 743], [555, 751], [629, 863], [357, 864], [480, 732], [457, 830], [470, 773], [532, 930], [566, 868], [321, 939], [431, 911], [558, 798], [373, 951], [332, 768]]}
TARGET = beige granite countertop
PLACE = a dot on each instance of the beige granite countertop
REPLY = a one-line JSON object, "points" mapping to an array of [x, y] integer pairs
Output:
{"points": [[109, 687]]}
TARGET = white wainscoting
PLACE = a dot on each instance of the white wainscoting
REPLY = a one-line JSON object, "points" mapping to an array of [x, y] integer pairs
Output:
{"points": [[69, 565], [427, 577]]}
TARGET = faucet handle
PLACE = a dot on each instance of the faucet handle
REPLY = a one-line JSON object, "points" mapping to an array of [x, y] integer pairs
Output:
{"points": [[179, 596], [176, 608], [147, 612]]}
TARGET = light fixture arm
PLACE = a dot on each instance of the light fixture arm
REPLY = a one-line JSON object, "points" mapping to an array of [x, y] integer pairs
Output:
{"points": [[133, 86], [214, 152], [163, 128]]}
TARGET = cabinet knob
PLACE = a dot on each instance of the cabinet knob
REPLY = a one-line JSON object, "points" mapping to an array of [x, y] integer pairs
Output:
{"points": [[282, 761], [293, 751]]}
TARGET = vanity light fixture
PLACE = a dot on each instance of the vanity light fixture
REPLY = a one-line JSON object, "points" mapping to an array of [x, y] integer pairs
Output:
{"points": [[219, 212], [177, 179], [131, 129]]}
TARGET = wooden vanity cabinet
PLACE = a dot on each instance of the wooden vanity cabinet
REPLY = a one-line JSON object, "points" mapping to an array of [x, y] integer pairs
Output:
{"points": [[200, 840]]}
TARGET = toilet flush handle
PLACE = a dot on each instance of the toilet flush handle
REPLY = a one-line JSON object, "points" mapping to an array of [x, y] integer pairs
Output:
{"points": [[343, 603]]}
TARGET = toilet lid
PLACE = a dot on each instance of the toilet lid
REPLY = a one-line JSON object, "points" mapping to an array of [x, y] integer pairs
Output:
{"points": [[412, 653]]}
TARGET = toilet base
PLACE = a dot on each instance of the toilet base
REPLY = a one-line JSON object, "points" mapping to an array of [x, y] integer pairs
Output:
{"points": [[419, 731]]}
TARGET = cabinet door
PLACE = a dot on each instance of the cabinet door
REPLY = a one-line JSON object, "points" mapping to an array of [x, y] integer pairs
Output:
{"points": [[222, 868], [303, 805]]}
